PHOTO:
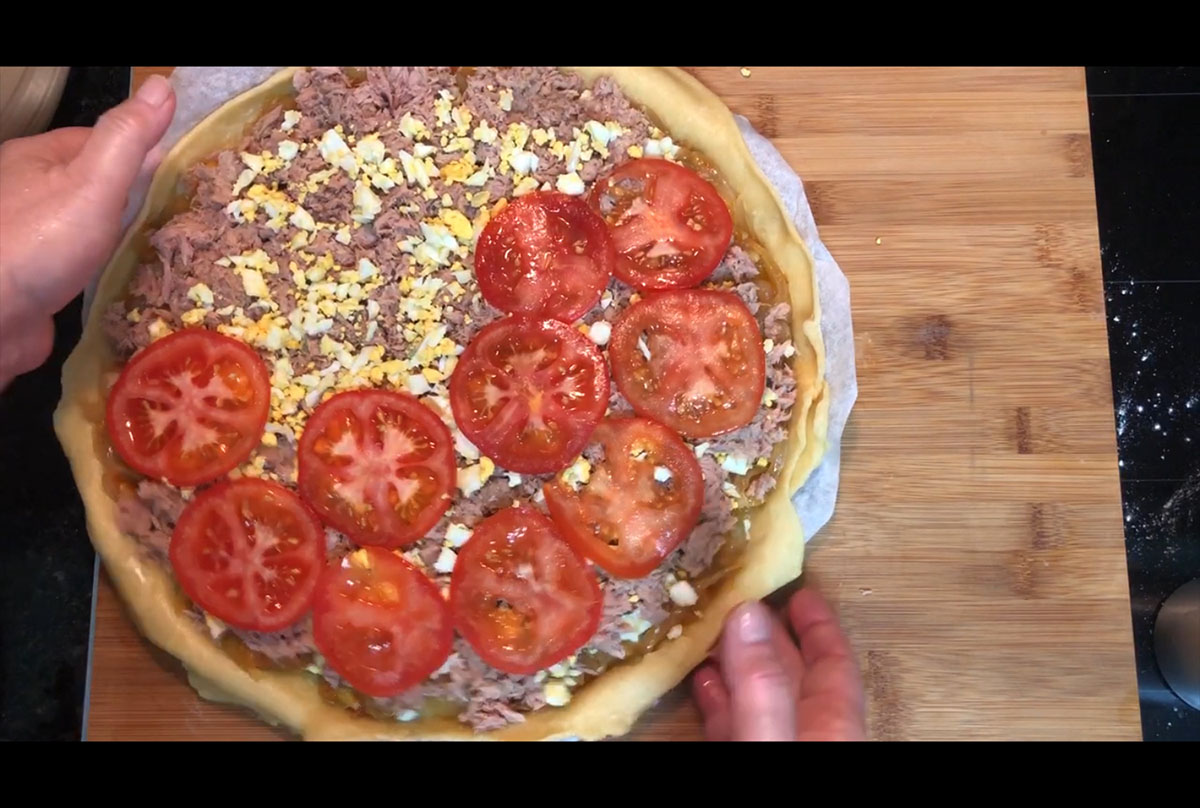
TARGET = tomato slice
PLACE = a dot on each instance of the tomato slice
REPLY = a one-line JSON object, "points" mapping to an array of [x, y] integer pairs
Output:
{"points": [[545, 255], [669, 225], [529, 393], [377, 465], [380, 622], [520, 595], [640, 501], [691, 359], [249, 552], [189, 407]]}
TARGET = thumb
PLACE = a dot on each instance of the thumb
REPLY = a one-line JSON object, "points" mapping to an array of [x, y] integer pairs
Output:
{"points": [[762, 700], [121, 140]]}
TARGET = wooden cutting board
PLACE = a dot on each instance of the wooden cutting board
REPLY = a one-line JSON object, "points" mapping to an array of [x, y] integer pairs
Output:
{"points": [[976, 555]]}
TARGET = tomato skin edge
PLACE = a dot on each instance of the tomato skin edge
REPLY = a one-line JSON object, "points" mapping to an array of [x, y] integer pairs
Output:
{"points": [[111, 420], [566, 519], [584, 633], [493, 450], [445, 641], [220, 490], [625, 268], [620, 344], [493, 292]]}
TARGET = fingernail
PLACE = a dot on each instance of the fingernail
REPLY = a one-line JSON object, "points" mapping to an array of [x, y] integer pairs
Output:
{"points": [[154, 91], [752, 623]]}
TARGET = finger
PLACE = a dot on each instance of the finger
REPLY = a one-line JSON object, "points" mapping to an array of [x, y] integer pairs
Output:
{"points": [[761, 692], [114, 153], [713, 700], [788, 653], [27, 346], [141, 184], [817, 629], [831, 677]]}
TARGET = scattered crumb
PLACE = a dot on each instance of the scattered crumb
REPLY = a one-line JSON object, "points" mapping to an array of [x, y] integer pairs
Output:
{"points": [[745, 72], [879, 239], [864, 591]]}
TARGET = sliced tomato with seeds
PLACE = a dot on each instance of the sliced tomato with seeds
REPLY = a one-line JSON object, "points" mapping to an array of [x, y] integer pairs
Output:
{"points": [[520, 596], [249, 552], [545, 254], [377, 465], [669, 225], [642, 498], [189, 407], [380, 623], [528, 393], [691, 359]]}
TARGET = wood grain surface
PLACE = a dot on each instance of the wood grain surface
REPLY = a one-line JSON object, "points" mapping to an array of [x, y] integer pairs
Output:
{"points": [[976, 555]]}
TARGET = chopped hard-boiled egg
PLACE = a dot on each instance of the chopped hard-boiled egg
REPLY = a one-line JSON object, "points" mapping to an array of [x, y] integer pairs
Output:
{"points": [[370, 149], [253, 283], [661, 147], [445, 561], [418, 385], [458, 224], [523, 162], [556, 693], [570, 184], [578, 473], [335, 151], [599, 332], [366, 204], [472, 478], [635, 626], [683, 593], [302, 219], [464, 447], [244, 181], [216, 627], [485, 133], [288, 149], [736, 464], [201, 295], [412, 127], [457, 534], [603, 133], [526, 186], [193, 316]]}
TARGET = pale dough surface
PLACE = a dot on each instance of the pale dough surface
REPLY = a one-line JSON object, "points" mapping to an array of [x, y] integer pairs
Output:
{"points": [[606, 706]]}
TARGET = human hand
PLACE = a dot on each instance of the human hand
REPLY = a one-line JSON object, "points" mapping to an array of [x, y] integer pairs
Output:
{"points": [[62, 194], [761, 687]]}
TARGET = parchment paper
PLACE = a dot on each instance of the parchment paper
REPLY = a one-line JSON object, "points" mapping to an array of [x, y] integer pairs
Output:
{"points": [[200, 90]]}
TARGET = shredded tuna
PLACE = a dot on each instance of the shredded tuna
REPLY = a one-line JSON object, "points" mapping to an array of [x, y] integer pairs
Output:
{"points": [[150, 515], [293, 643]]}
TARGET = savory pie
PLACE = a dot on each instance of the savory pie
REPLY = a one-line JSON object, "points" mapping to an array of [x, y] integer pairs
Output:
{"points": [[450, 402]]}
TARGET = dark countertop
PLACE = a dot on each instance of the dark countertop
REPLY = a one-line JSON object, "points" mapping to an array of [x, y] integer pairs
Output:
{"points": [[1146, 156], [1145, 130]]}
